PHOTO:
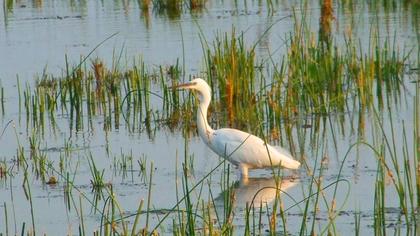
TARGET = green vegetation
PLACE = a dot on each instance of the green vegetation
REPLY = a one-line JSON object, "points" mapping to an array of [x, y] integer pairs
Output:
{"points": [[318, 92]]}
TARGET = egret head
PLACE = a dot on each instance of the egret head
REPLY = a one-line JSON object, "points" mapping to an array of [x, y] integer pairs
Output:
{"points": [[200, 86]]}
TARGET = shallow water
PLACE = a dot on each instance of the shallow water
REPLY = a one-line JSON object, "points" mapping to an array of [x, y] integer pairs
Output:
{"points": [[38, 34]]}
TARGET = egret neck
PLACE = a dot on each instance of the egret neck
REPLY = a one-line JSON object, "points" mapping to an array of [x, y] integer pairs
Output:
{"points": [[204, 129]]}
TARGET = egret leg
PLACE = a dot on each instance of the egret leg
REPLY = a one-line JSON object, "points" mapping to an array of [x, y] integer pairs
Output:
{"points": [[244, 171]]}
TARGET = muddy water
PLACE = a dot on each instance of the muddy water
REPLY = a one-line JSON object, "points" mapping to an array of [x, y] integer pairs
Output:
{"points": [[38, 34]]}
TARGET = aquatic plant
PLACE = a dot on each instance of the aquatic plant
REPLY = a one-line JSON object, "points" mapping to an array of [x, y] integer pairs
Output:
{"points": [[302, 99]]}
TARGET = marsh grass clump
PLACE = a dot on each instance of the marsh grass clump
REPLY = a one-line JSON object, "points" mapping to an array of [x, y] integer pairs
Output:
{"points": [[309, 80], [42, 165], [97, 176], [397, 166], [232, 76], [316, 80], [327, 78], [4, 170], [123, 163], [112, 94]]}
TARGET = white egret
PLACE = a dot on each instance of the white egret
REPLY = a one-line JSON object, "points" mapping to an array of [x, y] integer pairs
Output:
{"points": [[240, 148]]}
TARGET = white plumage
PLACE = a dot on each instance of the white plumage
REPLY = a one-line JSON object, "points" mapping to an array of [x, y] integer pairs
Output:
{"points": [[245, 150]]}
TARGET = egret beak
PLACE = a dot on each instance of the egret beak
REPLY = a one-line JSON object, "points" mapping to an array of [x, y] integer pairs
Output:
{"points": [[183, 86]]}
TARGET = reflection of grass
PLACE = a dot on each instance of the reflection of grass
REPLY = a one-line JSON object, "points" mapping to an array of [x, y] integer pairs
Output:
{"points": [[2, 101], [173, 9]]}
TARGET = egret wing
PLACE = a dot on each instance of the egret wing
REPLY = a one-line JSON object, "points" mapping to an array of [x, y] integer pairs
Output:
{"points": [[242, 148], [239, 147]]}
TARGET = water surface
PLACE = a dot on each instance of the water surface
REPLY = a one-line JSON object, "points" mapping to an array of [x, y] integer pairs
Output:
{"points": [[39, 35]]}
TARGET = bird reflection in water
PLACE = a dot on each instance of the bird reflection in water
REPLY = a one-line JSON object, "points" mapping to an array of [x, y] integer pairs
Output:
{"points": [[256, 192]]}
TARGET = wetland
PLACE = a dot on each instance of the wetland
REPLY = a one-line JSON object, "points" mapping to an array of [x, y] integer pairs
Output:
{"points": [[94, 139]]}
